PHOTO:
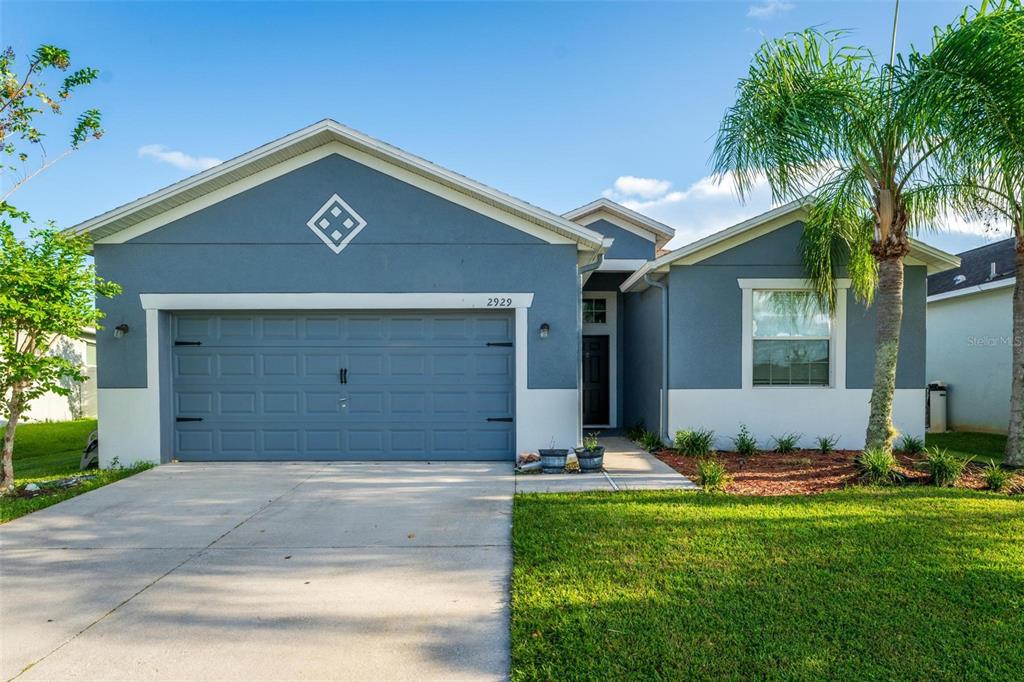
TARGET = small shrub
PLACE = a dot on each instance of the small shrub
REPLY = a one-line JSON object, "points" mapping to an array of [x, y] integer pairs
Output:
{"points": [[712, 475], [910, 445], [651, 441], [635, 432], [945, 469], [694, 442], [877, 466], [997, 479], [745, 444], [827, 444], [786, 442]]}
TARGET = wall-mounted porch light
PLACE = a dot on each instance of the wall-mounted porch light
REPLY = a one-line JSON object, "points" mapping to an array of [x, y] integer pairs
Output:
{"points": [[545, 329], [120, 330]]}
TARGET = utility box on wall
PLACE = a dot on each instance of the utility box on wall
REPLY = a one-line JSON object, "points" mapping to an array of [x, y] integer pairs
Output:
{"points": [[937, 407]]}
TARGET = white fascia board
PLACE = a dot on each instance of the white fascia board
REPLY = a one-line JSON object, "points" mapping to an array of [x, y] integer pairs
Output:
{"points": [[582, 215], [723, 240], [976, 289], [337, 301], [246, 164]]}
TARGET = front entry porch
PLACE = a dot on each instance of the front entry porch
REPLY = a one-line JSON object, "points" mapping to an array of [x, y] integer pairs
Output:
{"points": [[626, 467]]}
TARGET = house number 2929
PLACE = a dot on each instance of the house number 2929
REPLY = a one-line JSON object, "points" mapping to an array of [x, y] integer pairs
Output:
{"points": [[499, 302]]}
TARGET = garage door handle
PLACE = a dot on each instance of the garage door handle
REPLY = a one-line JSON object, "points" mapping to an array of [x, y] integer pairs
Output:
{"points": [[188, 343], [343, 376], [188, 419], [506, 344], [499, 419]]}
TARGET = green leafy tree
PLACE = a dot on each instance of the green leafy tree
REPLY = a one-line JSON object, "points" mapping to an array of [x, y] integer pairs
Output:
{"points": [[23, 98], [976, 67], [47, 290], [47, 285], [860, 141]]}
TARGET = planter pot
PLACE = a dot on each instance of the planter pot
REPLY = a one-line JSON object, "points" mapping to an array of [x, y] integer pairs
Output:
{"points": [[553, 461], [590, 460]]}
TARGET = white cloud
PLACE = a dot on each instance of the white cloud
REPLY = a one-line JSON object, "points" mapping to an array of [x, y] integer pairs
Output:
{"points": [[768, 8], [705, 206], [710, 204], [186, 162], [647, 188]]}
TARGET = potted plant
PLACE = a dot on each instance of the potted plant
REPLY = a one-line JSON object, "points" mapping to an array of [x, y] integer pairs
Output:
{"points": [[552, 460], [591, 455]]}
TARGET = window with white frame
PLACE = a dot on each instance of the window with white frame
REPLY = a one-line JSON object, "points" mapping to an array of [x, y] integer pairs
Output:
{"points": [[792, 339], [595, 310]]}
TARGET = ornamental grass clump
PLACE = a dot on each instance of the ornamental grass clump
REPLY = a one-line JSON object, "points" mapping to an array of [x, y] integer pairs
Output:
{"points": [[786, 443], [997, 479], [910, 445], [877, 466], [694, 442], [945, 469], [827, 444], [651, 441], [712, 475]]}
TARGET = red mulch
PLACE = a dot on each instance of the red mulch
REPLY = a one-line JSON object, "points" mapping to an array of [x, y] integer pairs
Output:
{"points": [[805, 472]]}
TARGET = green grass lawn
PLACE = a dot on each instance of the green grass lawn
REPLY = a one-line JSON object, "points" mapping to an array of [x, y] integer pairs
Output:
{"points": [[48, 451], [913, 583], [984, 447]]}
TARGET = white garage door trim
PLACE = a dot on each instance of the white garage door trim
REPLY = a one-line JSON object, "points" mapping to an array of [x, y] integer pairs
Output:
{"points": [[131, 430]]}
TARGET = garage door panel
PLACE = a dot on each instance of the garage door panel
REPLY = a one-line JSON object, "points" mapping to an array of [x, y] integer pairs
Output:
{"points": [[268, 386]]}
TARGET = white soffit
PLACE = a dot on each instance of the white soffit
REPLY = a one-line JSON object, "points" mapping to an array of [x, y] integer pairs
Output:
{"points": [[626, 218]]}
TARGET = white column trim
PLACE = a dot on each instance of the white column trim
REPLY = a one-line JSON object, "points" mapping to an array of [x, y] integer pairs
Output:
{"points": [[837, 354]]}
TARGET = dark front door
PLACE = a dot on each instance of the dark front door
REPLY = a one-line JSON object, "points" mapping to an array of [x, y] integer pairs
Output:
{"points": [[595, 379]]}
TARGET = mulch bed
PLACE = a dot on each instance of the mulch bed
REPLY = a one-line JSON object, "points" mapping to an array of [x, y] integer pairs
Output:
{"points": [[805, 472]]}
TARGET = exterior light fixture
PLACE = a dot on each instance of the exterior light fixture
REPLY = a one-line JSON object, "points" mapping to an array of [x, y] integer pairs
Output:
{"points": [[120, 330], [545, 329]]}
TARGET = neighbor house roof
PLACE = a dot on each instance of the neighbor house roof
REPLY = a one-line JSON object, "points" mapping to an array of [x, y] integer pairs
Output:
{"points": [[617, 214], [985, 267], [305, 140], [920, 253]]}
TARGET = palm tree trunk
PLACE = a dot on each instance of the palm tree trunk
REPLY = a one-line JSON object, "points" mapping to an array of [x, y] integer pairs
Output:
{"points": [[1015, 434], [889, 304]]}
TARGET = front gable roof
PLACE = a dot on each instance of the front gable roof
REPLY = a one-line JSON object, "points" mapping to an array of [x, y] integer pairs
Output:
{"points": [[315, 141], [626, 218], [920, 253]]}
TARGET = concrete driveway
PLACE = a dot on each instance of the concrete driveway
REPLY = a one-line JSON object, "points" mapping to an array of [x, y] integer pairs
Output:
{"points": [[306, 571]]}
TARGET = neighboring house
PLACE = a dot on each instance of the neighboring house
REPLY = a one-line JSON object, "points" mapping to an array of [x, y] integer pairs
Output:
{"points": [[81, 402], [970, 333], [329, 296]]}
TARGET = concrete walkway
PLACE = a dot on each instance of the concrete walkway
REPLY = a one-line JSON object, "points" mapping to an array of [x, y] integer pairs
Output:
{"points": [[305, 571], [626, 467]]}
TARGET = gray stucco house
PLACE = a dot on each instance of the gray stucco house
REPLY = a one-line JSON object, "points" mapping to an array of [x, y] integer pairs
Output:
{"points": [[970, 337], [329, 296]]}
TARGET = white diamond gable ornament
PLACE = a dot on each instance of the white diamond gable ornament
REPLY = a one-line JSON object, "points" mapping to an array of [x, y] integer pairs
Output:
{"points": [[336, 223]]}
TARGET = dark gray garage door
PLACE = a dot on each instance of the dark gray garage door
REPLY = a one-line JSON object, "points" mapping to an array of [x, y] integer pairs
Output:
{"points": [[354, 386]]}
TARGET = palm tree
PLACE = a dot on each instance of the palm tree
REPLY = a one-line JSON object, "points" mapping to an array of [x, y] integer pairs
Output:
{"points": [[976, 68], [862, 141]]}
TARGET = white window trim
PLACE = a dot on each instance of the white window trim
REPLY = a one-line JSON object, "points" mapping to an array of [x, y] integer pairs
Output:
{"points": [[610, 329], [837, 343]]}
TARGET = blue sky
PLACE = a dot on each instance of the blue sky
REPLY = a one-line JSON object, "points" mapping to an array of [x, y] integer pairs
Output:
{"points": [[553, 103]]}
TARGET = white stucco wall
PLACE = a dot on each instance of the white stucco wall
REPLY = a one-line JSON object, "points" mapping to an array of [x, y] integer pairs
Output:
{"points": [[56, 408], [969, 347]]}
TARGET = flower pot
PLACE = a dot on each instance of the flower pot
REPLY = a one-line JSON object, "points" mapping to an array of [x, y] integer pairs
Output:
{"points": [[590, 460], [553, 461]]}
